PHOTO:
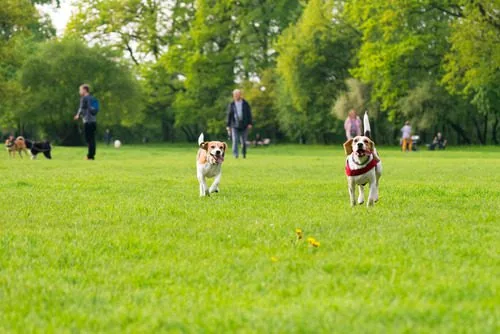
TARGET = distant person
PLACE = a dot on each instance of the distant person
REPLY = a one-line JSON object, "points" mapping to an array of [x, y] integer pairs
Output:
{"points": [[406, 140], [352, 125], [258, 140], [239, 122], [439, 141], [107, 137], [88, 111]]}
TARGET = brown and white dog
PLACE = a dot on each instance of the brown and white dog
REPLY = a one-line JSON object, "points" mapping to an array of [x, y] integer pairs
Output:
{"points": [[209, 164], [363, 166], [16, 145]]}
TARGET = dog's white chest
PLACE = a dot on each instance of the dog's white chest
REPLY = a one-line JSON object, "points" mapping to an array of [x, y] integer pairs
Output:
{"points": [[210, 170]]}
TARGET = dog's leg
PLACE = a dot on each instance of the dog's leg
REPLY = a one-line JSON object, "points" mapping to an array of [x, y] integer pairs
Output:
{"points": [[352, 189], [361, 197], [378, 174], [215, 186], [373, 192], [200, 181], [203, 186]]}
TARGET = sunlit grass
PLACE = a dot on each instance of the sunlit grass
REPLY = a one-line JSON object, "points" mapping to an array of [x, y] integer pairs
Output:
{"points": [[124, 243]]}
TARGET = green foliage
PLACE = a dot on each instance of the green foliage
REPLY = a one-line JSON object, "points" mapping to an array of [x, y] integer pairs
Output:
{"points": [[141, 29], [205, 59], [21, 28], [259, 24], [357, 97], [402, 46], [314, 59], [52, 77], [262, 96], [474, 58]]}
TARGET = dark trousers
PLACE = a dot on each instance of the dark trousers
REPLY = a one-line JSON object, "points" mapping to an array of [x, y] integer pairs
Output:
{"points": [[89, 130], [239, 135]]}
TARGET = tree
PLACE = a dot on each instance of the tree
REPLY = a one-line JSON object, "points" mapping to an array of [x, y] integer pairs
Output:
{"points": [[313, 62], [21, 28], [259, 24], [52, 77], [142, 29], [204, 60]]}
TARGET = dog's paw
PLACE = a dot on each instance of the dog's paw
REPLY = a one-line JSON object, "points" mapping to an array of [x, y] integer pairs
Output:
{"points": [[361, 203]]}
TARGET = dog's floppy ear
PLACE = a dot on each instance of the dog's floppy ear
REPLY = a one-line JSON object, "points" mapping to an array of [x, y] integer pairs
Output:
{"points": [[348, 147], [371, 145], [204, 145], [225, 146]]}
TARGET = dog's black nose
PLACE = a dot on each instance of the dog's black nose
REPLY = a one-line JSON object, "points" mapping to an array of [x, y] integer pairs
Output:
{"points": [[217, 152], [360, 144]]}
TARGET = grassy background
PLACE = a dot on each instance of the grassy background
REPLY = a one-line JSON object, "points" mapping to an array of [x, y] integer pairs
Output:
{"points": [[124, 243]]}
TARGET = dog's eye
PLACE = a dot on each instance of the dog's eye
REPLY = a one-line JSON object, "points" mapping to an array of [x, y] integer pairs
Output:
{"points": [[366, 141], [212, 146]]}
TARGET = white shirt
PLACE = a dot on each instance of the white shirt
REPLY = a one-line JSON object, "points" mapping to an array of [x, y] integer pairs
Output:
{"points": [[239, 109], [406, 130]]}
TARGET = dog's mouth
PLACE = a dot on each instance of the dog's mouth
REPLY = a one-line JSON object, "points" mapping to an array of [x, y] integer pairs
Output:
{"points": [[218, 158], [361, 152]]}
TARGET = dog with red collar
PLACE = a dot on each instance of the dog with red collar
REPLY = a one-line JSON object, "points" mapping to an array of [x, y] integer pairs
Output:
{"points": [[362, 166]]}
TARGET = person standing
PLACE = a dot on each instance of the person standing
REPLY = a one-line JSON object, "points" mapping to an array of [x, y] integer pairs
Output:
{"points": [[88, 111], [352, 125], [239, 122], [107, 137], [406, 141]]}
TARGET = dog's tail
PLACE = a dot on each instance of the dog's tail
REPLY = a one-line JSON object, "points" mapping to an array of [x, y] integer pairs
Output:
{"points": [[201, 139], [366, 125]]}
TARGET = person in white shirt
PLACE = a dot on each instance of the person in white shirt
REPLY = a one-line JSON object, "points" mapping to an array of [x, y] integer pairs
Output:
{"points": [[406, 141], [239, 122]]}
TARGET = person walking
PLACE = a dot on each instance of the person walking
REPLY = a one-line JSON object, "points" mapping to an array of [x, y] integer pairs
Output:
{"points": [[352, 125], [239, 122], [406, 141], [88, 111]]}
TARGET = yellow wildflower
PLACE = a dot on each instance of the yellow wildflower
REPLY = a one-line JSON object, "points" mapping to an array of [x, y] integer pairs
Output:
{"points": [[311, 240], [299, 233], [315, 244]]}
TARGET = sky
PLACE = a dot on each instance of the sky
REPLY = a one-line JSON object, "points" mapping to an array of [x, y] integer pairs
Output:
{"points": [[60, 16]]}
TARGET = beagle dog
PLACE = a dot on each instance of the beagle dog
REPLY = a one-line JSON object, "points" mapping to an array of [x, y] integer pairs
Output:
{"points": [[16, 145], [209, 164], [362, 166]]}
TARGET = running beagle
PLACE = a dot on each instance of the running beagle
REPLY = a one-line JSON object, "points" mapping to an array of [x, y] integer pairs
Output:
{"points": [[362, 166], [209, 164]]}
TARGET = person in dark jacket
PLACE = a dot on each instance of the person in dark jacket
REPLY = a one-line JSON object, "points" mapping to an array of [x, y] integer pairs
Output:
{"points": [[239, 122], [88, 115]]}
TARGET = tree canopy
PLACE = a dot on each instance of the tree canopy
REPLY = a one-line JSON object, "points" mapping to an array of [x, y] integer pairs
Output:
{"points": [[167, 68]]}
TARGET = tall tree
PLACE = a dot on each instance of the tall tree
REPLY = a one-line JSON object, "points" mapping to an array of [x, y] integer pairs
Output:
{"points": [[52, 77], [314, 58], [21, 27], [205, 61]]}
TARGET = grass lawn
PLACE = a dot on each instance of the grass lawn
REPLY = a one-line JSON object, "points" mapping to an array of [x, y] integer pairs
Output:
{"points": [[124, 243]]}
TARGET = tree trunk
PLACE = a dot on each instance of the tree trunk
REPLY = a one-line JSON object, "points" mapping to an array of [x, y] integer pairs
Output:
{"points": [[494, 131], [190, 135], [478, 131], [460, 132], [485, 129], [164, 128]]}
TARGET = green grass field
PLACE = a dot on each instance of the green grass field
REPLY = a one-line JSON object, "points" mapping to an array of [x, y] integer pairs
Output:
{"points": [[124, 244]]}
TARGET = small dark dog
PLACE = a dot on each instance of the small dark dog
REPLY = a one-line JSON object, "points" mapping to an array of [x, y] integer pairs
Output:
{"points": [[36, 147]]}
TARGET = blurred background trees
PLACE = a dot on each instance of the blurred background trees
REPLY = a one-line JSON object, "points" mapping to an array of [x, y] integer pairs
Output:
{"points": [[166, 69]]}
